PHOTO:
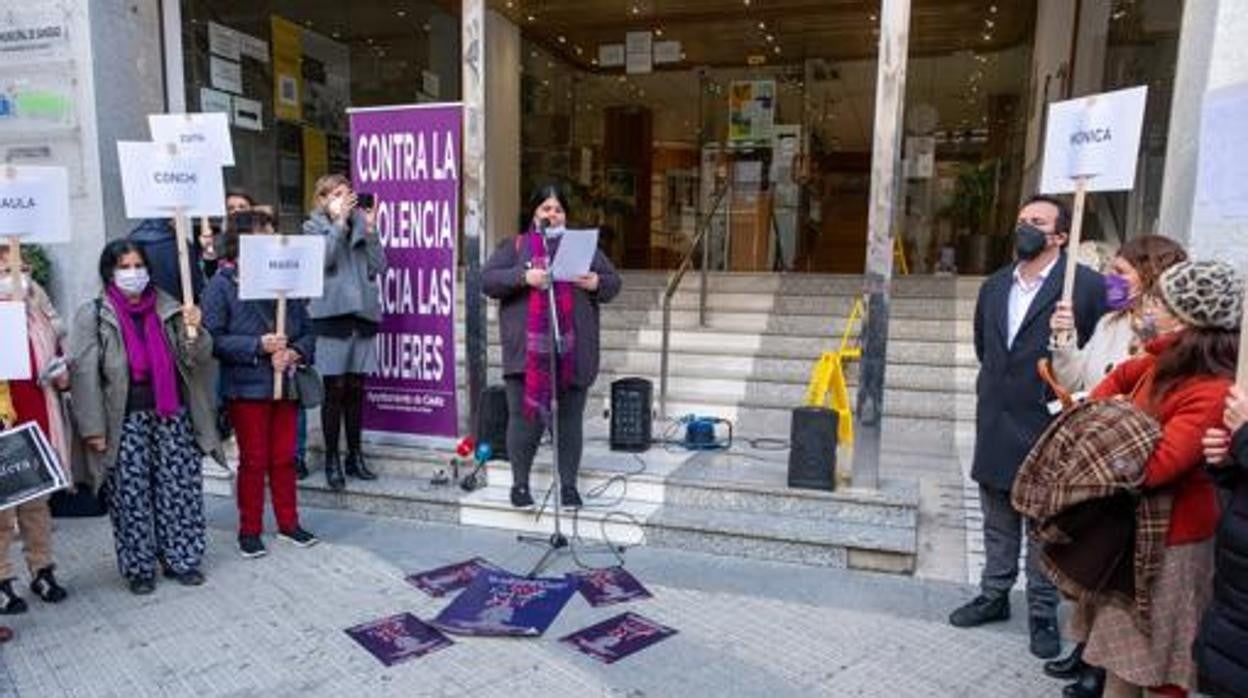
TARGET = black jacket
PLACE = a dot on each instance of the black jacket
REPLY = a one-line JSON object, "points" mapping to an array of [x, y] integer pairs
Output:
{"points": [[1222, 645], [156, 238], [236, 326], [502, 278], [1012, 410]]}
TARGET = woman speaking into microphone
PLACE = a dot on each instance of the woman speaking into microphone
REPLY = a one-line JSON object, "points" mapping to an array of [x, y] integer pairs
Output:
{"points": [[516, 276]]}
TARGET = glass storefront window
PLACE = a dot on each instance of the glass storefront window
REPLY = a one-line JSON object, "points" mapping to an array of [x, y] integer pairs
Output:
{"points": [[287, 71]]}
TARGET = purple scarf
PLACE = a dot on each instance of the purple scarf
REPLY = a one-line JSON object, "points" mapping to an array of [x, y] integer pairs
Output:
{"points": [[148, 353], [537, 340]]}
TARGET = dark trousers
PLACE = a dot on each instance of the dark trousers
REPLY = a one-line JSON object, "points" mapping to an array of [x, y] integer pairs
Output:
{"points": [[1003, 540], [266, 446], [524, 436]]}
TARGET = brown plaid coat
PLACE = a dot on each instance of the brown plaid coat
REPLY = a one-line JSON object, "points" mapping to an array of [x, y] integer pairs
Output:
{"points": [[1081, 483]]}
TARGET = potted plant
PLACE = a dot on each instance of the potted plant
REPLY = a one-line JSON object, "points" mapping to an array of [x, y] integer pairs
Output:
{"points": [[971, 211]]}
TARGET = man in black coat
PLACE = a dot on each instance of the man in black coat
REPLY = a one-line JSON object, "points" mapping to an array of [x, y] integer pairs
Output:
{"points": [[160, 243], [1011, 336]]}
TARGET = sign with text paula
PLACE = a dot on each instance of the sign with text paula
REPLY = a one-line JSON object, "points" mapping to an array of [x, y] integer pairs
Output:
{"points": [[408, 158], [34, 203], [1096, 137]]}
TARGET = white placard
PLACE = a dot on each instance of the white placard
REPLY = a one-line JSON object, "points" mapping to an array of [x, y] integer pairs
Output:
{"points": [[1222, 175], [226, 75], [248, 114], [34, 203], [270, 266], [256, 49], [15, 349], [1096, 137], [575, 254], [611, 55], [668, 52], [639, 52], [155, 182], [196, 135], [211, 100], [224, 41]]}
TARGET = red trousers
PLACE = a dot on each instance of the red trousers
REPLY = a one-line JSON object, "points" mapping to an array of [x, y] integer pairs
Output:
{"points": [[266, 444]]}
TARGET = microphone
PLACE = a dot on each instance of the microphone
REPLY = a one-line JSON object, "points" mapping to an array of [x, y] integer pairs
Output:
{"points": [[543, 225]]}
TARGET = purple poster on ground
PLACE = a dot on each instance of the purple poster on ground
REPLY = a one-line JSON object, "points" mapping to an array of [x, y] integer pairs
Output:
{"points": [[609, 586], [398, 638], [444, 580], [500, 603], [618, 637], [408, 158]]}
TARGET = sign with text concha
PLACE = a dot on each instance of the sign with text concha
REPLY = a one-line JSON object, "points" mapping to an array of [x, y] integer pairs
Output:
{"points": [[1097, 137]]}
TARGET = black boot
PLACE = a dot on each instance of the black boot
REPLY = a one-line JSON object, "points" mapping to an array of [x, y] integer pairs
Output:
{"points": [[10, 602], [301, 468], [333, 473], [569, 497], [45, 587], [1069, 667], [521, 497], [1091, 684], [357, 468]]}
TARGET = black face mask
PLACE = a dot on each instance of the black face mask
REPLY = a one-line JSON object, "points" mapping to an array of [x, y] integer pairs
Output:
{"points": [[1029, 241]]}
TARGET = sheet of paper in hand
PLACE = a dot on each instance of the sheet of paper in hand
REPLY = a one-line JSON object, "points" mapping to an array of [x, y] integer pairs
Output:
{"points": [[609, 586], [500, 603], [575, 254], [618, 637], [440, 581], [271, 266], [29, 468], [398, 638]]}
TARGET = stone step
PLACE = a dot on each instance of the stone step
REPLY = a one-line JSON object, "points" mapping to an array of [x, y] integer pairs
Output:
{"points": [[757, 344], [833, 306], [808, 284]]}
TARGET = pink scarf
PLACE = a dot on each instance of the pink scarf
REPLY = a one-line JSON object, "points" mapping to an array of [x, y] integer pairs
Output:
{"points": [[148, 352], [537, 341]]}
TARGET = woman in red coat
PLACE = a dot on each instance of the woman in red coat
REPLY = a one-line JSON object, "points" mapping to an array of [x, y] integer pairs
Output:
{"points": [[1181, 380]]}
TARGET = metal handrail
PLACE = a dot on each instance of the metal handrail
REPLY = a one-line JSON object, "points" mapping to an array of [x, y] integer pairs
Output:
{"points": [[673, 283]]}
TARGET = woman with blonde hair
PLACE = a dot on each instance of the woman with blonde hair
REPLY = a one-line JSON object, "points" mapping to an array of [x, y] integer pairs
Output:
{"points": [[345, 319]]}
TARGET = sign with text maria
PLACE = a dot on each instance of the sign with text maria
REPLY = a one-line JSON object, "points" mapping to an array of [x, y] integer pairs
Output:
{"points": [[280, 266], [408, 158], [1096, 137]]}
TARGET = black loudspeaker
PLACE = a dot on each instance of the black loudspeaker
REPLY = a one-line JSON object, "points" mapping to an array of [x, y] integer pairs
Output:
{"points": [[492, 421], [812, 448], [631, 418]]}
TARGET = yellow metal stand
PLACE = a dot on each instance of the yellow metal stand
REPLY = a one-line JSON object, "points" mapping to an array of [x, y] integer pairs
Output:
{"points": [[899, 256], [827, 386]]}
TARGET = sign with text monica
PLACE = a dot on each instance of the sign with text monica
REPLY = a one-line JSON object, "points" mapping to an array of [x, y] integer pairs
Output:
{"points": [[408, 158]]}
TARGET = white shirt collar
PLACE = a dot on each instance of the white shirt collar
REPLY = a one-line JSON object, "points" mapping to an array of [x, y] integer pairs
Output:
{"points": [[1044, 275]]}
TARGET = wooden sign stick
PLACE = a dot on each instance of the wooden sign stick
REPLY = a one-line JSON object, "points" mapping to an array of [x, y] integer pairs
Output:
{"points": [[1065, 339], [1241, 371], [15, 268], [281, 330], [180, 225]]}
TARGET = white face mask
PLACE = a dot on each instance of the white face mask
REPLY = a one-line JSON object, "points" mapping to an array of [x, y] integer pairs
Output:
{"points": [[6, 285], [132, 282]]}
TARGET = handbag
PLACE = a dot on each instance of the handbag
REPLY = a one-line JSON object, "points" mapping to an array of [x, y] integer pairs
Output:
{"points": [[309, 389]]}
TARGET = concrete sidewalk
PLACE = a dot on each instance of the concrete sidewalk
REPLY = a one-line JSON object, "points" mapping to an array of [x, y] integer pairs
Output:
{"points": [[273, 626]]}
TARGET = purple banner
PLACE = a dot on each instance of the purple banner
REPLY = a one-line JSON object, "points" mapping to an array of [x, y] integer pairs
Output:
{"points": [[408, 157]]}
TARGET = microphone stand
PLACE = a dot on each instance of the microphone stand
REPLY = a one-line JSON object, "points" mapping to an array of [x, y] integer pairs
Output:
{"points": [[557, 543]]}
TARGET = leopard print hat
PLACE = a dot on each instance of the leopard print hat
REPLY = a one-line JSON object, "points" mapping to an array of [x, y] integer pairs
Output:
{"points": [[1204, 294]]}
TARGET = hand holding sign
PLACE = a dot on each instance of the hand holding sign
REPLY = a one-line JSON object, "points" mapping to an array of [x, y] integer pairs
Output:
{"points": [[280, 267], [1091, 145]]}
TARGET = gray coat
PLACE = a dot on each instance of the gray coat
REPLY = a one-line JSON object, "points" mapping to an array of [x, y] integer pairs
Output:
{"points": [[101, 377], [353, 263], [502, 278]]}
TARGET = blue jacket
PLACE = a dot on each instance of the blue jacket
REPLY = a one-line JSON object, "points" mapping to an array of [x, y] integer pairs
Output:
{"points": [[236, 327], [156, 238]]}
